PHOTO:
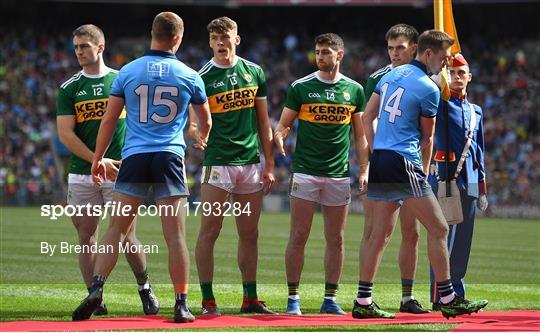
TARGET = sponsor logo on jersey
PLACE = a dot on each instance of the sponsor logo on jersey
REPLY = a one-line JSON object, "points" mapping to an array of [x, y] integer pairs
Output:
{"points": [[233, 100], [81, 93], [326, 113], [92, 110], [157, 69]]}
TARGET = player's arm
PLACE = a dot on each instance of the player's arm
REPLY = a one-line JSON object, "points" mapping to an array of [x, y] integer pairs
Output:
{"points": [[427, 128], [284, 127], [115, 105], [482, 183], [193, 129], [362, 150], [66, 132], [265, 137], [369, 119], [65, 125], [201, 112]]}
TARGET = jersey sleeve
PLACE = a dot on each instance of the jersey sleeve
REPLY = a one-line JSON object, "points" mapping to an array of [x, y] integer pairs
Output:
{"points": [[199, 93], [263, 89], [370, 87], [117, 87], [292, 101], [64, 104], [429, 104], [361, 106]]}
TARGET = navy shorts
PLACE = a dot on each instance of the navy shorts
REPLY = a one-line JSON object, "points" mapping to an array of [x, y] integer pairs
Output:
{"points": [[164, 172], [394, 178]]}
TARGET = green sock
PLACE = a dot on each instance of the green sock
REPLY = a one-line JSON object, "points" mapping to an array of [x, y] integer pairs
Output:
{"points": [[142, 278], [206, 290], [250, 289]]}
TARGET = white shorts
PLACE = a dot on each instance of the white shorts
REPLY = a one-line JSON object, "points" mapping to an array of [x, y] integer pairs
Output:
{"points": [[327, 191], [82, 190], [239, 179]]}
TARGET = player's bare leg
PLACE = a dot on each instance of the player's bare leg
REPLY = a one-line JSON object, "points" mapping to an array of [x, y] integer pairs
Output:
{"points": [[137, 262], [204, 250], [429, 213], [248, 234], [384, 217], [335, 218], [118, 229], [408, 260], [301, 220], [105, 262], [174, 231], [87, 232], [208, 233]]}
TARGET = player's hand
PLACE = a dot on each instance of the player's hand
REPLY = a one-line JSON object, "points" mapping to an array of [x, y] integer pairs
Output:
{"points": [[268, 179], [111, 168], [99, 171], [195, 134], [363, 182], [279, 139], [482, 203]]}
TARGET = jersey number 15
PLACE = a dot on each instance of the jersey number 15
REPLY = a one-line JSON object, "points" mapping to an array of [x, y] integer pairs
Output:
{"points": [[142, 92]]}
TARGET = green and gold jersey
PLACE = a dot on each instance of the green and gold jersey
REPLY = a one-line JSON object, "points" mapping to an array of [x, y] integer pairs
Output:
{"points": [[231, 94], [324, 123], [375, 78], [85, 97]]}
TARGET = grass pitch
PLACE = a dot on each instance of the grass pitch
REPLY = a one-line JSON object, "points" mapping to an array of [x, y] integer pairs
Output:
{"points": [[504, 268]]}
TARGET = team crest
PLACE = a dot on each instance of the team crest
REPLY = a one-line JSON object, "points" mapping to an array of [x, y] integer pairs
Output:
{"points": [[248, 77], [347, 96], [295, 186], [215, 175]]}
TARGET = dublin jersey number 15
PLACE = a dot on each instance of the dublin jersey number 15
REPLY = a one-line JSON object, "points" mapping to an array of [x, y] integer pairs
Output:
{"points": [[142, 92], [392, 104]]}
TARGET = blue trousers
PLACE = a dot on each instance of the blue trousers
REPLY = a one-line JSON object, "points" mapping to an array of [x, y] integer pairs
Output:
{"points": [[459, 248]]}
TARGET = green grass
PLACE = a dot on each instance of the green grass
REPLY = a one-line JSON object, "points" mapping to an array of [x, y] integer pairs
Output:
{"points": [[504, 268]]}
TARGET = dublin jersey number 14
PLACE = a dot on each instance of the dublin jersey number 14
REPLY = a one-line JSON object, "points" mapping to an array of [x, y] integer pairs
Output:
{"points": [[392, 104], [142, 92]]}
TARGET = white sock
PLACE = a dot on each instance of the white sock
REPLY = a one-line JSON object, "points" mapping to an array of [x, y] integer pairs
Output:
{"points": [[407, 298], [144, 286], [364, 300], [294, 297], [333, 299], [447, 299]]}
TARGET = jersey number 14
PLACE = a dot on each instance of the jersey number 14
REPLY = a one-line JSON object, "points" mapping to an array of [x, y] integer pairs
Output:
{"points": [[392, 104]]}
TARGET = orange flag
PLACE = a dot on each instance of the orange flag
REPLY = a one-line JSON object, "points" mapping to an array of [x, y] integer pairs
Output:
{"points": [[444, 21]]}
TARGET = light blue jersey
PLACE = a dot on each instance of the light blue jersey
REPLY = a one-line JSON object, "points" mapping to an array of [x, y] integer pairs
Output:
{"points": [[157, 89], [406, 94]]}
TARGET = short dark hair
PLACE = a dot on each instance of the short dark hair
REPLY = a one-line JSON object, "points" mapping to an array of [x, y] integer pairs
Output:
{"points": [[166, 25], [222, 25], [94, 32], [331, 39], [433, 39], [402, 29]]}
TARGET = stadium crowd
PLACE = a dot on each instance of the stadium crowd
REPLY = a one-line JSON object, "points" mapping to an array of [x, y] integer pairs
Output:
{"points": [[33, 64]]}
